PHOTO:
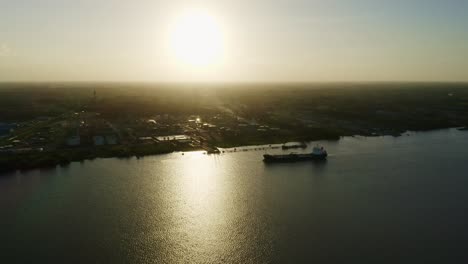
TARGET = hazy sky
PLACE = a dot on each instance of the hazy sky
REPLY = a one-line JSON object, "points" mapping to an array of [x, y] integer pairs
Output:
{"points": [[311, 40]]}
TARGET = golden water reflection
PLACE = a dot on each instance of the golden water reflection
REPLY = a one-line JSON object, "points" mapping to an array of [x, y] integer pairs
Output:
{"points": [[201, 213]]}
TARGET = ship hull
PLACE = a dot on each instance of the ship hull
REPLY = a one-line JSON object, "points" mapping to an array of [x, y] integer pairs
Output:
{"points": [[293, 158]]}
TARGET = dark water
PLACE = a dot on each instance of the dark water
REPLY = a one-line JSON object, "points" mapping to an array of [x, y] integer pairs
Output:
{"points": [[376, 200]]}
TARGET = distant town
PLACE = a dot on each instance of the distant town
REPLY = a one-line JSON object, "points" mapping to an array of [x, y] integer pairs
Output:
{"points": [[58, 124]]}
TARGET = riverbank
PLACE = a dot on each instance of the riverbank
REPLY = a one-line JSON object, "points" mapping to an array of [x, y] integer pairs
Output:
{"points": [[62, 157]]}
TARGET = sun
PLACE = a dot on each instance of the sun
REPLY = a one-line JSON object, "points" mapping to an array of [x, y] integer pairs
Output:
{"points": [[196, 39]]}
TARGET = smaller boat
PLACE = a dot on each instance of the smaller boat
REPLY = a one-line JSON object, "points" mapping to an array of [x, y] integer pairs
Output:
{"points": [[294, 145], [214, 151], [318, 153]]}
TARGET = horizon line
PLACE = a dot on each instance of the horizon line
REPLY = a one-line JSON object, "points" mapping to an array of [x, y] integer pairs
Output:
{"points": [[232, 82]]}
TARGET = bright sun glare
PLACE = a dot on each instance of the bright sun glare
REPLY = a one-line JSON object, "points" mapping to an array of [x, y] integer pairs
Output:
{"points": [[197, 39]]}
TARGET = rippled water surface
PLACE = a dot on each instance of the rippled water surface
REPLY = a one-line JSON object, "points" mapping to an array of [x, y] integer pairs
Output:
{"points": [[383, 199]]}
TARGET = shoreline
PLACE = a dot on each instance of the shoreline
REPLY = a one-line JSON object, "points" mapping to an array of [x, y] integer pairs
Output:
{"points": [[63, 157]]}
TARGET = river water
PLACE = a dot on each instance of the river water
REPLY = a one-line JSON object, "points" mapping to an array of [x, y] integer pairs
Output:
{"points": [[376, 200]]}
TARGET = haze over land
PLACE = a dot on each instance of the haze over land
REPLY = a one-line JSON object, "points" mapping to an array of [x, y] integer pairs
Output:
{"points": [[234, 41], [233, 131], [59, 123], [86, 79]]}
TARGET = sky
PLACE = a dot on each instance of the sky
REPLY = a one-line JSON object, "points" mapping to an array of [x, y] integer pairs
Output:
{"points": [[263, 41]]}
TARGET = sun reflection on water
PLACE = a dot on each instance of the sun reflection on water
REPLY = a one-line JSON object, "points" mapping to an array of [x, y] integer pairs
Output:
{"points": [[202, 207]]}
